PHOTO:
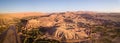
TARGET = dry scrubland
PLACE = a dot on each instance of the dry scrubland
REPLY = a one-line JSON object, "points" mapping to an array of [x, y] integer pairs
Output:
{"points": [[62, 27]]}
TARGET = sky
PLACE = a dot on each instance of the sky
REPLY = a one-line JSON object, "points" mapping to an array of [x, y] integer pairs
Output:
{"points": [[59, 5]]}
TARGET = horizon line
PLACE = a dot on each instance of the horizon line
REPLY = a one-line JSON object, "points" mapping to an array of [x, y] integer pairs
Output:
{"points": [[60, 11]]}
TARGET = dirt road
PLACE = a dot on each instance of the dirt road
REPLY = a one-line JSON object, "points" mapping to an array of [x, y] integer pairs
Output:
{"points": [[10, 36]]}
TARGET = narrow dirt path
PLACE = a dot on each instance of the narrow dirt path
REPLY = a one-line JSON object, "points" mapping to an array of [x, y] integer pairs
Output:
{"points": [[10, 36]]}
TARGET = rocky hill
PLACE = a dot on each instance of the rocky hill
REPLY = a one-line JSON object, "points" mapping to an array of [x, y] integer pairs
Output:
{"points": [[81, 27]]}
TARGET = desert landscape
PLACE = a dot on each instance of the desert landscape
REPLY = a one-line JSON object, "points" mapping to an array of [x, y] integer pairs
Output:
{"points": [[60, 27], [59, 21]]}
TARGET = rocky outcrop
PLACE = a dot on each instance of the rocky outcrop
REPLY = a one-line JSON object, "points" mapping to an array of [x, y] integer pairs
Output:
{"points": [[67, 25]]}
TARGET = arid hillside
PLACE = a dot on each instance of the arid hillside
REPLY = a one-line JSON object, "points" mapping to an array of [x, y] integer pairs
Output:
{"points": [[63, 27], [22, 14]]}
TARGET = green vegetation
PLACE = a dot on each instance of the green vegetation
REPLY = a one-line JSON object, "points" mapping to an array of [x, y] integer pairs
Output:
{"points": [[107, 34], [35, 36]]}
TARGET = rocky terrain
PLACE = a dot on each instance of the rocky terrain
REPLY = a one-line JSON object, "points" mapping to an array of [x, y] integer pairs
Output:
{"points": [[66, 27]]}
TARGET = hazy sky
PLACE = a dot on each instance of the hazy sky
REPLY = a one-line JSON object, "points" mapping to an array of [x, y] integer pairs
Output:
{"points": [[59, 5]]}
